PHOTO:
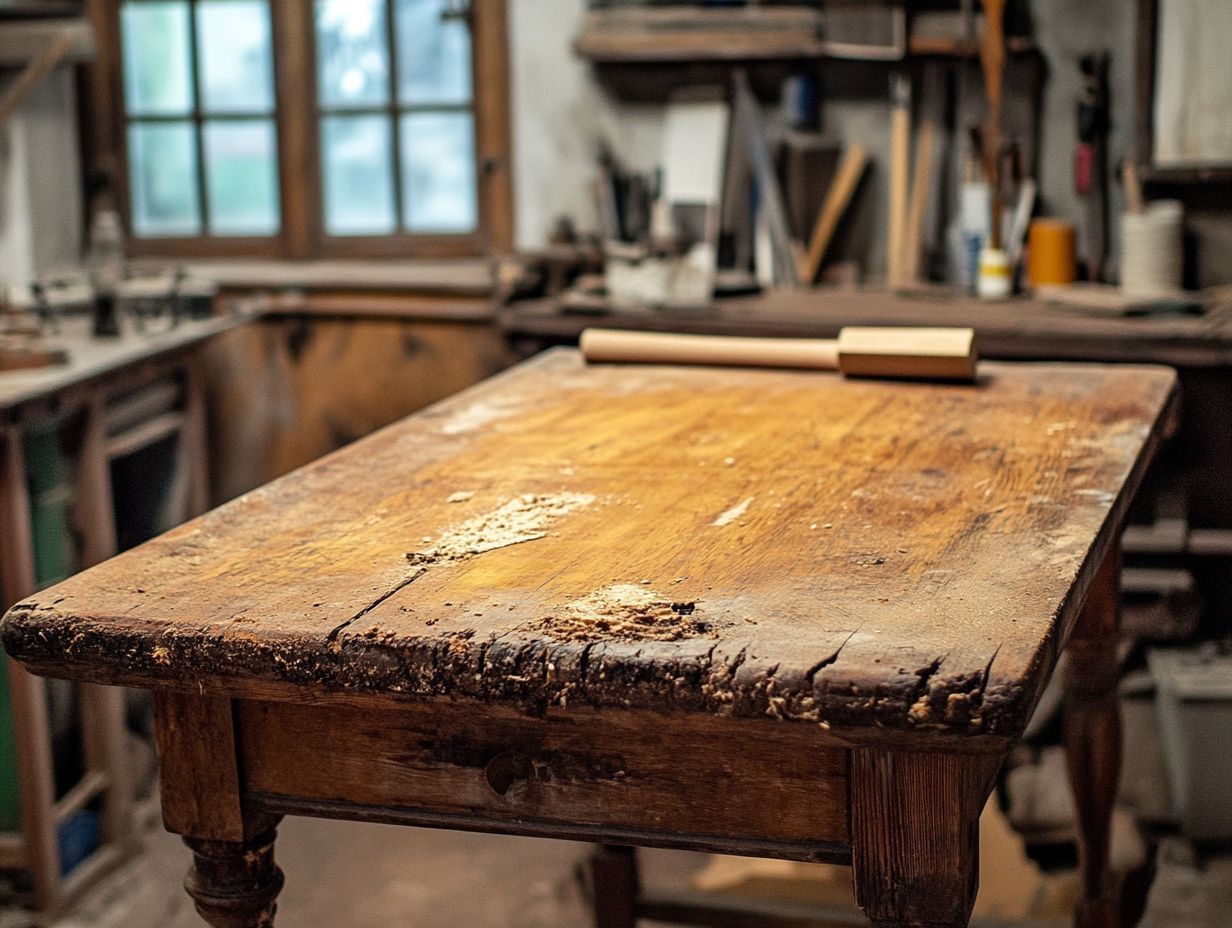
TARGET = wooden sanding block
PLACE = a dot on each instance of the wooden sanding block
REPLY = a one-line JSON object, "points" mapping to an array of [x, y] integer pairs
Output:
{"points": [[909, 353]]}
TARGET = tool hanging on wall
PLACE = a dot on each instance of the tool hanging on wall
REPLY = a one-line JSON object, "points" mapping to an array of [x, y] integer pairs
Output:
{"points": [[994, 274], [746, 114], [1091, 159], [900, 154], [838, 196]]}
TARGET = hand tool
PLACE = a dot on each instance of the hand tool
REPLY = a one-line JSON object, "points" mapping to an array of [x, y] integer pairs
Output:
{"points": [[909, 353]]}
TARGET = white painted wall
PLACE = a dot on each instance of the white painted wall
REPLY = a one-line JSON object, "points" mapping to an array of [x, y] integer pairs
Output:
{"points": [[560, 113], [40, 184]]}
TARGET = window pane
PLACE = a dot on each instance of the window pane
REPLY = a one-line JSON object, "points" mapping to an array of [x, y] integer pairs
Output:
{"points": [[157, 61], [241, 177], [438, 172], [352, 52], [434, 54], [359, 182], [233, 40], [162, 160]]}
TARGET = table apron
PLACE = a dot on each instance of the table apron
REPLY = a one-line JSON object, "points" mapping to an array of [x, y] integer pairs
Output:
{"points": [[697, 782]]}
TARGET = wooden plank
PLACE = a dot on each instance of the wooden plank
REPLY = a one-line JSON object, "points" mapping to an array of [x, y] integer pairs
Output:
{"points": [[900, 154], [82, 794], [690, 34], [193, 451], [747, 114], [95, 517], [493, 131], [35, 72], [105, 742], [628, 772], [27, 694], [149, 432], [838, 197], [921, 186], [198, 768], [783, 545]]}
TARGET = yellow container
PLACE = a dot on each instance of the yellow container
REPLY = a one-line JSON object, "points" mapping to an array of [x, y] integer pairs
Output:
{"points": [[1051, 252]]}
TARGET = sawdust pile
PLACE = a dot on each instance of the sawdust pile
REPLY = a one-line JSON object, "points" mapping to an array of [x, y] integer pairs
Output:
{"points": [[524, 518], [623, 611]]}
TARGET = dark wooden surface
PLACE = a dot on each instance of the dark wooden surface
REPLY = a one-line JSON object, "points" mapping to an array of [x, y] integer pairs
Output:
{"points": [[696, 782], [880, 558], [1019, 329]]}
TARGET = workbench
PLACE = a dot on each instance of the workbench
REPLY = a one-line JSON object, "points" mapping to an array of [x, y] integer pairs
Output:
{"points": [[1184, 516], [757, 612], [113, 399]]}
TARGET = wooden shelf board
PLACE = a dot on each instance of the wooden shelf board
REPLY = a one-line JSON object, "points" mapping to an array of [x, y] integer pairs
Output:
{"points": [[684, 34]]}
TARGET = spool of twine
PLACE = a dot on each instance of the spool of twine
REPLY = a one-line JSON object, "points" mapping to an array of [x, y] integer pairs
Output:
{"points": [[1151, 250], [1051, 252]]}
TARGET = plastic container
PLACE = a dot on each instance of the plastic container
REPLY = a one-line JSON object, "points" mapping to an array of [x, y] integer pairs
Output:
{"points": [[1194, 703]]}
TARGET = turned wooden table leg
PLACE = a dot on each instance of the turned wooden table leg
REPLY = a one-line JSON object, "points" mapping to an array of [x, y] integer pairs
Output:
{"points": [[915, 824], [1093, 738], [235, 883], [613, 872], [233, 879]]}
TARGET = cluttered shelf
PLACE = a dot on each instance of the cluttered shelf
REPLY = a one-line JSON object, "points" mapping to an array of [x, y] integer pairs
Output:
{"points": [[1059, 326]]}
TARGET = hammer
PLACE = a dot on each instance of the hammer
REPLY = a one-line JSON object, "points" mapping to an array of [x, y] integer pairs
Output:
{"points": [[906, 353]]}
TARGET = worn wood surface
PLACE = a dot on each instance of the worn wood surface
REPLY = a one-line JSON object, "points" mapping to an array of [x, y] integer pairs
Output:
{"points": [[877, 557], [199, 771], [1093, 740], [681, 782], [235, 884], [915, 822]]}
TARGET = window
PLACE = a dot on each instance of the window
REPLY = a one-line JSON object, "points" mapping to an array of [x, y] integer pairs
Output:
{"points": [[310, 127]]}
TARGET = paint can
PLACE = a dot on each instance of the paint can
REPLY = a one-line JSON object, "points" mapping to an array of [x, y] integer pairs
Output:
{"points": [[1151, 252], [1051, 252]]}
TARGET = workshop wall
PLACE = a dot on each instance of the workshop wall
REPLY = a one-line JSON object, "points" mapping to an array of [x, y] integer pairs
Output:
{"points": [[561, 111]]}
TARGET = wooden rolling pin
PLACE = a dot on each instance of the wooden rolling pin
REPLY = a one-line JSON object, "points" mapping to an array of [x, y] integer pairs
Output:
{"points": [[911, 353]]}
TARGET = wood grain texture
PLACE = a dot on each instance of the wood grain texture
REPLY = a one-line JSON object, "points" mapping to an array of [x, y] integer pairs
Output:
{"points": [[702, 781], [915, 821], [1093, 740], [878, 557], [198, 767], [285, 391]]}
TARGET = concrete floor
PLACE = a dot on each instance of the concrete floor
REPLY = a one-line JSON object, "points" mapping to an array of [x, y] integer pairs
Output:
{"points": [[375, 876]]}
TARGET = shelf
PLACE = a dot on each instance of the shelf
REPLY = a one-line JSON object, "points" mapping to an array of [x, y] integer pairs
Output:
{"points": [[648, 35], [677, 34]]}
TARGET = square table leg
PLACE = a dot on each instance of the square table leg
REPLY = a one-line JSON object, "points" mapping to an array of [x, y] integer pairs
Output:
{"points": [[1093, 738], [915, 825], [614, 883]]}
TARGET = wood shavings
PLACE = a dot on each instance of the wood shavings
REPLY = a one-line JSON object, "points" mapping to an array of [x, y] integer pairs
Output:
{"points": [[477, 415], [624, 611], [461, 496], [736, 511], [523, 518]]}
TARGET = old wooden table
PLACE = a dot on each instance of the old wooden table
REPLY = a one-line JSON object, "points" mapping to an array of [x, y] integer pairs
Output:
{"points": [[758, 612]]}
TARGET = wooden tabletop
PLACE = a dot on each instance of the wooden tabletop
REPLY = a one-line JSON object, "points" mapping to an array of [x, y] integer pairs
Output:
{"points": [[873, 556]]}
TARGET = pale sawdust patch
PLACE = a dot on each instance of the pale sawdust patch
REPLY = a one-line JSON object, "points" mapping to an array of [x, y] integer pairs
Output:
{"points": [[623, 611], [523, 518]]}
